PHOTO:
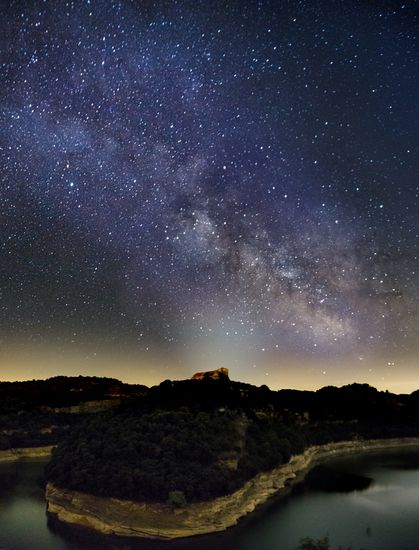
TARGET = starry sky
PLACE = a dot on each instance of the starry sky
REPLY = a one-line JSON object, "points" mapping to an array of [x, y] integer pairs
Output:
{"points": [[194, 184]]}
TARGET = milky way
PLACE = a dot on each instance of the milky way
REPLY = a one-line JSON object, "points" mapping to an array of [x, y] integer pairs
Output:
{"points": [[240, 175]]}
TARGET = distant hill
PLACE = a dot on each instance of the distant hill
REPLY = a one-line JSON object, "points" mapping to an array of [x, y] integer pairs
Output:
{"points": [[40, 412], [63, 391]]}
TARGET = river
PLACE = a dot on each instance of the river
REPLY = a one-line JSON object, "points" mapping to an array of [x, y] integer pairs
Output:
{"points": [[381, 514]]}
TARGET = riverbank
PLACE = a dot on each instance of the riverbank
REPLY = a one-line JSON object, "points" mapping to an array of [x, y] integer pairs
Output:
{"points": [[10, 455], [160, 521]]}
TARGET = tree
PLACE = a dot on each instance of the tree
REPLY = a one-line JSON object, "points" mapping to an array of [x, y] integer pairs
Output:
{"points": [[176, 499], [311, 544]]}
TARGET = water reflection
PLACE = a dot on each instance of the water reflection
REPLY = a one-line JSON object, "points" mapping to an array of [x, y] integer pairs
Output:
{"points": [[369, 502], [335, 479]]}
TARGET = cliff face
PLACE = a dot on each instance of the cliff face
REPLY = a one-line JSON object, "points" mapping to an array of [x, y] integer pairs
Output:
{"points": [[217, 374], [126, 518], [29, 452]]}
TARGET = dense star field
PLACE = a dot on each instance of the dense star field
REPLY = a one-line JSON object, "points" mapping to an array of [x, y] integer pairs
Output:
{"points": [[230, 181]]}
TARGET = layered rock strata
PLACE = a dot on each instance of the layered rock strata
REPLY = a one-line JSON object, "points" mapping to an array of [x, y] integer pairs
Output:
{"points": [[10, 455], [159, 521]]}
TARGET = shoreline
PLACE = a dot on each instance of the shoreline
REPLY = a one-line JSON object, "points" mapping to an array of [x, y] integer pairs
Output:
{"points": [[160, 521], [11, 455]]}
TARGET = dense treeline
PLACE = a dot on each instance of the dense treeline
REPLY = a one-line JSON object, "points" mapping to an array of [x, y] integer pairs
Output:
{"points": [[149, 456], [201, 439], [146, 457], [34, 428]]}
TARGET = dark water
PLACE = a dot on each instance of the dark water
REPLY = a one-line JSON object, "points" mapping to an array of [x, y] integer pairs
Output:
{"points": [[372, 504]]}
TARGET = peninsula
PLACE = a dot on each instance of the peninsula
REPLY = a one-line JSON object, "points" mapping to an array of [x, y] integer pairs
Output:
{"points": [[194, 456]]}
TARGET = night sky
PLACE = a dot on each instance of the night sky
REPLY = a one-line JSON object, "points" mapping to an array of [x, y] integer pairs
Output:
{"points": [[189, 185]]}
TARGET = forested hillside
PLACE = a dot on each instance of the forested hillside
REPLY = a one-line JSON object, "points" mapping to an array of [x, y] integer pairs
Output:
{"points": [[194, 440]]}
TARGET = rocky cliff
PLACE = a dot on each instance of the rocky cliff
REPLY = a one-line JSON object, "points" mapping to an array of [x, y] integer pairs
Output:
{"points": [[217, 374], [29, 452], [126, 518]]}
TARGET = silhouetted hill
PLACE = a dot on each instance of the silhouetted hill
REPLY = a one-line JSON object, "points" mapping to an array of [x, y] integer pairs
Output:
{"points": [[62, 391], [40, 412], [354, 402]]}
